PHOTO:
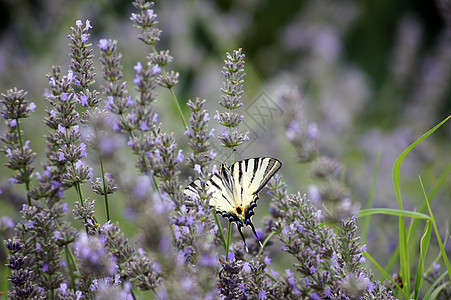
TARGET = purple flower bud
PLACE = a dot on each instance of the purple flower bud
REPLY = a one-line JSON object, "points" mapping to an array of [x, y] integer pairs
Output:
{"points": [[103, 44]]}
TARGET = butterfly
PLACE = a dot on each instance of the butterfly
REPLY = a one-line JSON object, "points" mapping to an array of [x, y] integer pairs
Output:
{"points": [[234, 190]]}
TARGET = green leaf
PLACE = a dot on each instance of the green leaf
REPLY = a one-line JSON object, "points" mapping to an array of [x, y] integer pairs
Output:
{"points": [[393, 212]]}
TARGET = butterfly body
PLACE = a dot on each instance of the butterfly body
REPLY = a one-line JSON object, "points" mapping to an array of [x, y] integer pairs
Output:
{"points": [[234, 190]]}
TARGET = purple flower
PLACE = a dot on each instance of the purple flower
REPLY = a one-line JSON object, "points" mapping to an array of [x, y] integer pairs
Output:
{"points": [[212, 154], [198, 168], [138, 67], [186, 131], [130, 101], [208, 260], [327, 292], [88, 25], [318, 212], [63, 287], [274, 273], [137, 80], [56, 184], [32, 106], [156, 70], [83, 100], [211, 134], [262, 295], [144, 126], [83, 151], [70, 75], [84, 37], [313, 270], [246, 137], [267, 260], [6, 222], [312, 131], [155, 118], [30, 224], [45, 268], [180, 156], [61, 128], [435, 266], [79, 23], [13, 123], [217, 115], [13, 181], [315, 296], [231, 256], [60, 194], [246, 267], [103, 44], [61, 156], [307, 282], [57, 234], [9, 153]]}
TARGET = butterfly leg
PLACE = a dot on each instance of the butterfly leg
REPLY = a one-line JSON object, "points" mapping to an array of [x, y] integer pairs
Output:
{"points": [[249, 223], [242, 236]]}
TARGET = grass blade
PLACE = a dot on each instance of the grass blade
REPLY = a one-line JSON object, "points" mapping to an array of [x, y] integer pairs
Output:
{"points": [[393, 212], [403, 241], [425, 239], [437, 234]]}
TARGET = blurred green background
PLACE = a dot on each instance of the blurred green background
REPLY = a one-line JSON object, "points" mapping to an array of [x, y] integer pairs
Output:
{"points": [[374, 76]]}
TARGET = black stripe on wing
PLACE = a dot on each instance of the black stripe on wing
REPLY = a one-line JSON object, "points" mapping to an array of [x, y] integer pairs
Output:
{"points": [[262, 167]]}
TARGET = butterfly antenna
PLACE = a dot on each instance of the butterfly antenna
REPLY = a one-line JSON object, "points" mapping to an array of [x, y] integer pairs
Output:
{"points": [[255, 233], [242, 236]]}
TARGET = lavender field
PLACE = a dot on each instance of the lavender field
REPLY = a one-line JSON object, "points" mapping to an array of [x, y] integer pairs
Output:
{"points": [[225, 150]]}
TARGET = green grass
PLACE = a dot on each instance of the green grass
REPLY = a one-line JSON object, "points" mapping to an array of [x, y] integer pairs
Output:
{"points": [[406, 242]]}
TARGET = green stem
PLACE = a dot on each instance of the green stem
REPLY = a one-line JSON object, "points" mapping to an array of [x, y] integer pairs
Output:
{"points": [[264, 243], [229, 234], [105, 194], [179, 109], [174, 98], [25, 173], [220, 230]]}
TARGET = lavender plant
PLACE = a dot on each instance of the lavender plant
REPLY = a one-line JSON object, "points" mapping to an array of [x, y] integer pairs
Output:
{"points": [[176, 248]]}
